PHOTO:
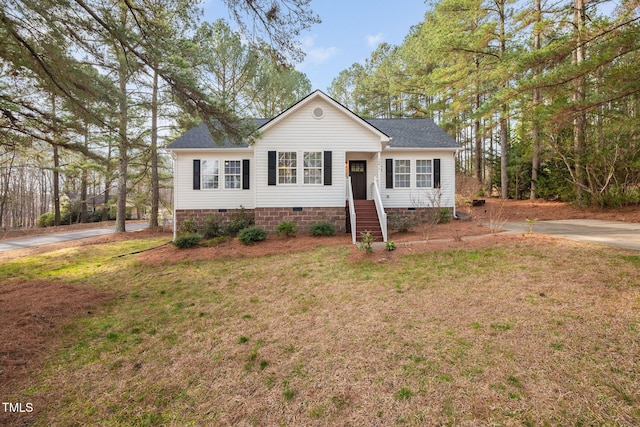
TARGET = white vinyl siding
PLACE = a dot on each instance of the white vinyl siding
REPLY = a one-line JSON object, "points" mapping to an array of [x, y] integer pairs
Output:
{"points": [[219, 198], [417, 195], [300, 132]]}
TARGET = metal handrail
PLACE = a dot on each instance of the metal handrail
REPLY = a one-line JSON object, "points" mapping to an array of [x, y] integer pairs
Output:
{"points": [[352, 210], [382, 215]]}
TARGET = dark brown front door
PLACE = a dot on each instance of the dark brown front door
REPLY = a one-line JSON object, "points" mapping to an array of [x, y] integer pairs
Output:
{"points": [[358, 174]]}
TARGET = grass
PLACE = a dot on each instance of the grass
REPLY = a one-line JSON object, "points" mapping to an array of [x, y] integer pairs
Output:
{"points": [[313, 339]]}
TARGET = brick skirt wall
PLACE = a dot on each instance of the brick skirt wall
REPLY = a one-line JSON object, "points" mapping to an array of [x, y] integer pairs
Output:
{"points": [[269, 218], [421, 214], [198, 215]]}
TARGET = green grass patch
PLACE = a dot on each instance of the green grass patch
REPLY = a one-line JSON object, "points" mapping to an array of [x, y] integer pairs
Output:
{"points": [[443, 337]]}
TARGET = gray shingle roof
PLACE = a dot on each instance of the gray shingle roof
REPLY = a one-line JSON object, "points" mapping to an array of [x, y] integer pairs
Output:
{"points": [[414, 133], [200, 137], [405, 133]]}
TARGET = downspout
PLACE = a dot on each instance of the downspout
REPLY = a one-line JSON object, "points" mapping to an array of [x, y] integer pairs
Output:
{"points": [[175, 194], [455, 215]]}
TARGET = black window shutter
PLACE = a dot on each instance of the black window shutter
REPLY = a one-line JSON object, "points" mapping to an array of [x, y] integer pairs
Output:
{"points": [[272, 169], [327, 168], [389, 173], [245, 174], [436, 173], [196, 174]]}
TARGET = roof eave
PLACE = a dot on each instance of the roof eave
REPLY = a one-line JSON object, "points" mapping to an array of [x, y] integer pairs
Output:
{"points": [[423, 148], [217, 149]]}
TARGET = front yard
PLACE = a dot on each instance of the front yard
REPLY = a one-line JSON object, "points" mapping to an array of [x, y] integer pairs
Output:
{"points": [[523, 331]]}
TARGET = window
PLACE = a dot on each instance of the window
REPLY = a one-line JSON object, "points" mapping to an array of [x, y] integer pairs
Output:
{"points": [[232, 174], [402, 173], [287, 167], [424, 173], [210, 174], [312, 163]]}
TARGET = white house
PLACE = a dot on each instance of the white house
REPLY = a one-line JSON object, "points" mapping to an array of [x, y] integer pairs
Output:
{"points": [[317, 161]]}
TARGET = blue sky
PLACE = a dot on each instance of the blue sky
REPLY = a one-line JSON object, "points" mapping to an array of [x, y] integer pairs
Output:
{"points": [[349, 32]]}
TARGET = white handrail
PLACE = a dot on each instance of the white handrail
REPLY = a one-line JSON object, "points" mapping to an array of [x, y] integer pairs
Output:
{"points": [[382, 215], [352, 210]]}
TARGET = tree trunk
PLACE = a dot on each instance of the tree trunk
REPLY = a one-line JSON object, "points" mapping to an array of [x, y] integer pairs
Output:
{"points": [[6, 181], [56, 186], [107, 182], [83, 185], [123, 145], [535, 137], [504, 154], [504, 131], [56, 173], [155, 184], [579, 122]]}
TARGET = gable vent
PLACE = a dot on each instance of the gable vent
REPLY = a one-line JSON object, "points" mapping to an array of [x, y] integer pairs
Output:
{"points": [[318, 113]]}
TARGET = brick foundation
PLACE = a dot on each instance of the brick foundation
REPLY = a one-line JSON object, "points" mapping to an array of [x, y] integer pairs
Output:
{"points": [[269, 218], [422, 213], [198, 215]]}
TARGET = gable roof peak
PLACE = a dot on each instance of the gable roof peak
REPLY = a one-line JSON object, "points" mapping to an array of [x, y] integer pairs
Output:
{"points": [[318, 94]]}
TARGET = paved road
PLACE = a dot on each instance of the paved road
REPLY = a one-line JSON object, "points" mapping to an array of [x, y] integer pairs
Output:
{"points": [[30, 242], [613, 233]]}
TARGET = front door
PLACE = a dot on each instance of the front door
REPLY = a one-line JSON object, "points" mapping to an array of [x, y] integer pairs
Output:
{"points": [[358, 174]]}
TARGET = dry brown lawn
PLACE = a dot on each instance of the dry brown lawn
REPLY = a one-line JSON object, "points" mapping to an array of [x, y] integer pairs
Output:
{"points": [[494, 330]]}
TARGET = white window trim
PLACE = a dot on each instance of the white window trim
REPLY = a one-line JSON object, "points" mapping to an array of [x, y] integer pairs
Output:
{"points": [[294, 168], [396, 174], [429, 174], [224, 175], [222, 183], [321, 168], [202, 175]]}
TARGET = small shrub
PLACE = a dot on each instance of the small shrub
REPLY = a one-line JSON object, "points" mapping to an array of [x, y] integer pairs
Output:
{"points": [[286, 229], [251, 235], [188, 226], [391, 246], [188, 240], [241, 220], [402, 223], [46, 220], [212, 227], [443, 216], [531, 223], [366, 242], [322, 228]]}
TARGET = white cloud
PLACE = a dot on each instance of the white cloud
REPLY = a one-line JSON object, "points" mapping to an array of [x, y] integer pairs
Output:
{"points": [[317, 54], [374, 41]]}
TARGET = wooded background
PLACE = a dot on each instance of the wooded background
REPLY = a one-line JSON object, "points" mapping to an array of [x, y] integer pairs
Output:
{"points": [[542, 95], [91, 89]]}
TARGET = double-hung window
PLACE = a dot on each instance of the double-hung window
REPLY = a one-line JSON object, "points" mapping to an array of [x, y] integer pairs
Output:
{"points": [[402, 173], [287, 167], [232, 174], [210, 169], [424, 174], [312, 167]]}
